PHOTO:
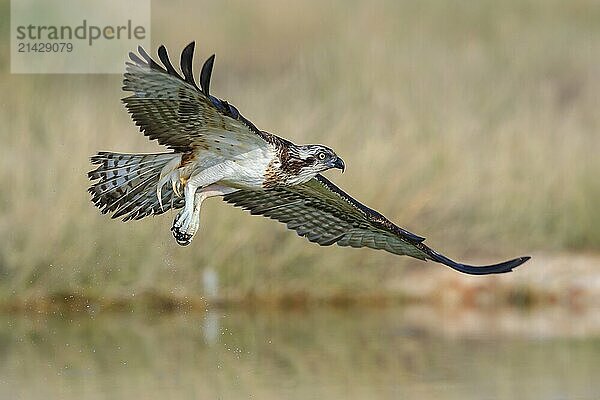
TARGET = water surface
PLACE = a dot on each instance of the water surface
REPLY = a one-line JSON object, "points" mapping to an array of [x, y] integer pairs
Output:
{"points": [[409, 353]]}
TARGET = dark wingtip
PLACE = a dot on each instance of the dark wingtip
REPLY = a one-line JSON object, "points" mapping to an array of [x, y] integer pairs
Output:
{"points": [[500, 268], [205, 75], [164, 57], [148, 60], [508, 266], [135, 58], [186, 63]]}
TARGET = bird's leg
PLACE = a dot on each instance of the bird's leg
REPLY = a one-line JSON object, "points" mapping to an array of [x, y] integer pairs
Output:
{"points": [[201, 195], [182, 220], [184, 231]]}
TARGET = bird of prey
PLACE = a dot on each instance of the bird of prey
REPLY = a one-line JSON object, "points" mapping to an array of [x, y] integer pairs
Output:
{"points": [[215, 151]]}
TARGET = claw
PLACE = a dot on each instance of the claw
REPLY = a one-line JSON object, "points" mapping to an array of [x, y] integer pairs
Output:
{"points": [[175, 186], [182, 238]]}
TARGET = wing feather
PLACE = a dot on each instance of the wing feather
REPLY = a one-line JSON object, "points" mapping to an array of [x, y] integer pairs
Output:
{"points": [[164, 58], [173, 110], [325, 214]]}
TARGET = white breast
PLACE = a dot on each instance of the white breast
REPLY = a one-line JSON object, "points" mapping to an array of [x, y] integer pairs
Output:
{"points": [[240, 169]]}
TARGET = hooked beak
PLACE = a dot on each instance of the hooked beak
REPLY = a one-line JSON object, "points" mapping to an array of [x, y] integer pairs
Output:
{"points": [[339, 164]]}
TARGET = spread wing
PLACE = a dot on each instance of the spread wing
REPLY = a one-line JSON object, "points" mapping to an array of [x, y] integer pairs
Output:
{"points": [[172, 109], [325, 214]]}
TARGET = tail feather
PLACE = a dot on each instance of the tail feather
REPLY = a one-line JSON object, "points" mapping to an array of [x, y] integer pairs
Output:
{"points": [[125, 185]]}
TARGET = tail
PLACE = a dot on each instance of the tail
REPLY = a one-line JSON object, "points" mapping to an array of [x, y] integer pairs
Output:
{"points": [[126, 184]]}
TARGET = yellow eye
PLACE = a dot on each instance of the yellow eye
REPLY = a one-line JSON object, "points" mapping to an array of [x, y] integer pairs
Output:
{"points": [[321, 155]]}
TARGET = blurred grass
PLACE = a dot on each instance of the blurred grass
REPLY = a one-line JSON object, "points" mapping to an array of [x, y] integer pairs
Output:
{"points": [[475, 124]]}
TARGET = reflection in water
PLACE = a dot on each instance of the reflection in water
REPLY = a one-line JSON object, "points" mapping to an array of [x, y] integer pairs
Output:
{"points": [[322, 354], [210, 327]]}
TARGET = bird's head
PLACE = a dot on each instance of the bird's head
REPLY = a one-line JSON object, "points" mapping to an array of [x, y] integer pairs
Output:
{"points": [[313, 159], [320, 158]]}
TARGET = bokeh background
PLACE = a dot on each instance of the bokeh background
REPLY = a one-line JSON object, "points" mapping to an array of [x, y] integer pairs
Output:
{"points": [[474, 124]]}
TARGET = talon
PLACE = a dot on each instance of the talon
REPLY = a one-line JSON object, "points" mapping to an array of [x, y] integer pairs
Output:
{"points": [[175, 186], [180, 229], [182, 239]]}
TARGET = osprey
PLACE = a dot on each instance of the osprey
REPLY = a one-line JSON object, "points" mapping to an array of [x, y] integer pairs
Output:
{"points": [[215, 151]]}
